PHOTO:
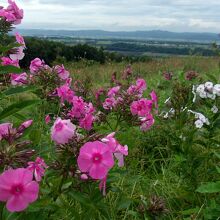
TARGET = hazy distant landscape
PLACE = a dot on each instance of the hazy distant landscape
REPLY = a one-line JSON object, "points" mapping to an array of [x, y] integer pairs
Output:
{"points": [[138, 43]]}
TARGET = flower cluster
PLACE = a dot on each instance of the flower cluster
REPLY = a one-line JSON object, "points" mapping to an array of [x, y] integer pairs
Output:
{"points": [[12, 13], [18, 187], [200, 119], [97, 158], [206, 90]]}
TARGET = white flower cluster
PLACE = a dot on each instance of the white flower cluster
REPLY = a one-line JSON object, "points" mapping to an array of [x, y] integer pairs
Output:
{"points": [[207, 90], [201, 119]]}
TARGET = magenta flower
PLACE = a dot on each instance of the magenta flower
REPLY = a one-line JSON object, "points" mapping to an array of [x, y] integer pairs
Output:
{"points": [[62, 72], [109, 103], [141, 107], [37, 168], [18, 189], [86, 122], [96, 159], [78, 108], [5, 129], [113, 91], [154, 99], [141, 85], [47, 119], [147, 122], [62, 131], [12, 13], [18, 55], [116, 148], [36, 65], [6, 61], [65, 93], [20, 39], [18, 79]]}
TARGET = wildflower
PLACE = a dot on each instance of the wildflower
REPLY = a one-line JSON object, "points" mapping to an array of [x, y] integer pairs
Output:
{"points": [[209, 86], [78, 108], [216, 89], [168, 75], [147, 122], [109, 103], [20, 39], [141, 107], [141, 85], [18, 54], [113, 91], [96, 159], [47, 119], [12, 13], [214, 109], [5, 129], [36, 65], [62, 72], [198, 123], [18, 189], [65, 93], [117, 149], [6, 61], [86, 122], [18, 79], [37, 168], [62, 131], [190, 75]]}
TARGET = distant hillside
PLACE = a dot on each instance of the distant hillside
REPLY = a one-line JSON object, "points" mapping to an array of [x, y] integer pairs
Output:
{"points": [[141, 35]]}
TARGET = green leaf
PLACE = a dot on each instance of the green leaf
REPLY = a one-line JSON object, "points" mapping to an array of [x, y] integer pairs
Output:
{"points": [[212, 187], [10, 69], [16, 107], [19, 89]]}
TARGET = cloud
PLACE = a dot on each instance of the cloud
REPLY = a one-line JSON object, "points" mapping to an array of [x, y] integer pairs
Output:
{"points": [[174, 15]]}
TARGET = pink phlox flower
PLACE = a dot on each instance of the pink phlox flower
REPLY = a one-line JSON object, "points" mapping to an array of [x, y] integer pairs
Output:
{"points": [[18, 55], [47, 119], [117, 149], [36, 65], [62, 131], [62, 72], [6, 61], [96, 159], [147, 122], [154, 99], [113, 91], [65, 93], [119, 153], [18, 189], [5, 128], [38, 168], [20, 39], [141, 107], [141, 85], [14, 10], [86, 122], [12, 13], [25, 125], [109, 103], [78, 107], [19, 79]]}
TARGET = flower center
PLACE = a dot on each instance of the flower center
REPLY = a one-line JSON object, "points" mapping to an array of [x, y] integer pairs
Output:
{"points": [[97, 158], [17, 189], [59, 126]]}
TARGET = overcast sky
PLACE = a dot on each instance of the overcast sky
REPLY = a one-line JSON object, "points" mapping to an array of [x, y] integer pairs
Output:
{"points": [[126, 15]]}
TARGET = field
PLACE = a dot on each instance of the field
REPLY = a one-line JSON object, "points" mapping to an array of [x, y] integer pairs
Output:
{"points": [[88, 134]]}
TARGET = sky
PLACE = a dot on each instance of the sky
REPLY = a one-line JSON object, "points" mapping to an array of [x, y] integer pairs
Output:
{"points": [[121, 15]]}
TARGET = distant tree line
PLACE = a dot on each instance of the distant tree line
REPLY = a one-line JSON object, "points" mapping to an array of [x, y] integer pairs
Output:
{"points": [[135, 48]]}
